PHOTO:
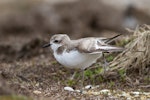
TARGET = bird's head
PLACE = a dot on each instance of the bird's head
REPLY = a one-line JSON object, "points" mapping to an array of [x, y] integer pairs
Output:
{"points": [[57, 40]]}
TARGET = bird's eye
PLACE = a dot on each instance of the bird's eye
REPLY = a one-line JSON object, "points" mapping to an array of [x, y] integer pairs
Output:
{"points": [[56, 41]]}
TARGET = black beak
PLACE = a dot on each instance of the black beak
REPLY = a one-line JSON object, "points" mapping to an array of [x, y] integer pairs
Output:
{"points": [[46, 45]]}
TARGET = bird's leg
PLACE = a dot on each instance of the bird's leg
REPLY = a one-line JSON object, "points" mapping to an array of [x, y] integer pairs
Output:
{"points": [[72, 77], [105, 62], [82, 80]]}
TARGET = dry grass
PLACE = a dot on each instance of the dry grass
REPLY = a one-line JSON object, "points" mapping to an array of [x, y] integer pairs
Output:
{"points": [[136, 54]]}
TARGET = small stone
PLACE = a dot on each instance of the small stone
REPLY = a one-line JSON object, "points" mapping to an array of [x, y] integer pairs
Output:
{"points": [[146, 93], [88, 87], [105, 91], [124, 94], [68, 88], [37, 92], [78, 91], [37, 84], [135, 93]]}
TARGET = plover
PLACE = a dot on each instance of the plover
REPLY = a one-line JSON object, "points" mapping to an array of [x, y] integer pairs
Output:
{"points": [[80, 53]]}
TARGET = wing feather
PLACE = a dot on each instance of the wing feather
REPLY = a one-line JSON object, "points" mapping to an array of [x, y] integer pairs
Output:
{"points": [[109, 40], [96, 46]]}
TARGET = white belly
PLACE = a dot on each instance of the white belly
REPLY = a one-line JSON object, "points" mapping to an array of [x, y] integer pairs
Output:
{"points": [[74, 59]]}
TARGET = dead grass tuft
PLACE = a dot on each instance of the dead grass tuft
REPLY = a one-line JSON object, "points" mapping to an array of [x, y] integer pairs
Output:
{"points": [[137, 53]]}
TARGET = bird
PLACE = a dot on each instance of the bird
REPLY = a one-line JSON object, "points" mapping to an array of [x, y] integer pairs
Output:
{"points": [[80, 53]]}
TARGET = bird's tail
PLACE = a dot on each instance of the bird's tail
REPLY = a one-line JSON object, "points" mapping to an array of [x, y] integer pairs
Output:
{"points": [[109, 40], [109, 48]]}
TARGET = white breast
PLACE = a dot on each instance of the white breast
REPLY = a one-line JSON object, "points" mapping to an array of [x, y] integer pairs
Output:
{"points": [[75, 59]]}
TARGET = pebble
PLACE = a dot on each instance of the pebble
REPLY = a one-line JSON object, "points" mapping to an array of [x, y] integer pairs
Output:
{"points": [[78, 91], [37, 92], [135, 93], [67, 88], [105, 91], [88, 87]]}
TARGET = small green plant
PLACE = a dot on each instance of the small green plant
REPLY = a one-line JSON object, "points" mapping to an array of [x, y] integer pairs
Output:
{"points": [[71, 82], [109, 58], [88, 73], [147, 79], [111, 84], [54, 62], [123, 42], [14, 97], [122, 73], [91, 74], [100, 79], [98, 70]]}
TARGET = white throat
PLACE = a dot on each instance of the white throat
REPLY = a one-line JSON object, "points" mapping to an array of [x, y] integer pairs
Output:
{"points": [[54, 47]]}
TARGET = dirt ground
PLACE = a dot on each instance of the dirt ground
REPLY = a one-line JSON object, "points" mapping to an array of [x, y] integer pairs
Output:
{"points": [[27, 71]]}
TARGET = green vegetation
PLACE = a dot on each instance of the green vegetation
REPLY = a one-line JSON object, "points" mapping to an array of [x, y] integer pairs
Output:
{"points": [[92, 72], [123, 42], [122, 73], [14, 97], [71, 82], [109, 58]]}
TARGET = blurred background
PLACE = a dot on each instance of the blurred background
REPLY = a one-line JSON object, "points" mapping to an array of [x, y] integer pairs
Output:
{"points": [[27, 24]]}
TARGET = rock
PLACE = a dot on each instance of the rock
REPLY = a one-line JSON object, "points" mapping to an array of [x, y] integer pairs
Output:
{"points": [[37, 92], [88, 87], [67, 88]]}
